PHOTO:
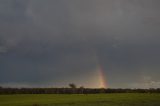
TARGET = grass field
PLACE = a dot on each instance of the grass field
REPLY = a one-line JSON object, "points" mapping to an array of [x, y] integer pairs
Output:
{"points": [[81, 100]]}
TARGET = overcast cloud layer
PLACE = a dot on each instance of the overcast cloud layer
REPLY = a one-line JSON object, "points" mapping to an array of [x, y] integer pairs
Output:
{"points": [[56, 42]]}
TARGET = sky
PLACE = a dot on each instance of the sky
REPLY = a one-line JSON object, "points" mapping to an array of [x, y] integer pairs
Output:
{"points": [[92, 43]]}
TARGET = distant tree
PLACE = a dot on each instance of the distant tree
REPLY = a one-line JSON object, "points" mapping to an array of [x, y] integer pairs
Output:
{"points": [[72, 85], [81, 89]]}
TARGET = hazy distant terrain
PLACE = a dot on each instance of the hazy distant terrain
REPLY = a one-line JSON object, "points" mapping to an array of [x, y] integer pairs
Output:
{"points": [[127, 99]]}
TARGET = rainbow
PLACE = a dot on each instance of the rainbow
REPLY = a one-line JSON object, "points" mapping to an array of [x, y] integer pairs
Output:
{"points": [[101, 78], [97, 77]]}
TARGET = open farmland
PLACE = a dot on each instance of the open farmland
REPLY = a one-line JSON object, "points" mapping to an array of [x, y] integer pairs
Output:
{"points": [[115, 99]]}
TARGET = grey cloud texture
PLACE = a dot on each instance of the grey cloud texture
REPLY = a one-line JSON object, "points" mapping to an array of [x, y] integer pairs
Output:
{"points": [[55, 42]]}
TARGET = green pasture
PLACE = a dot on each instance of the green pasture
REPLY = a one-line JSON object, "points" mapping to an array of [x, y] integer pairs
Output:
{"points": [[123, 99]]}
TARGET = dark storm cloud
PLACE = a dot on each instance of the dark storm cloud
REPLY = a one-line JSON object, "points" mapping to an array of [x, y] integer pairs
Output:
{"points": [[13, 10], [54, 42]]}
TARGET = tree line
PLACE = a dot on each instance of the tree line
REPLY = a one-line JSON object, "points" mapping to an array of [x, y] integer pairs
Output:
{"points": [[73, 90]]}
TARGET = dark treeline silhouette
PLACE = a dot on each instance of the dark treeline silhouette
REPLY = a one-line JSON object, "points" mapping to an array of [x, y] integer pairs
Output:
{"points": [[80, 90]]}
